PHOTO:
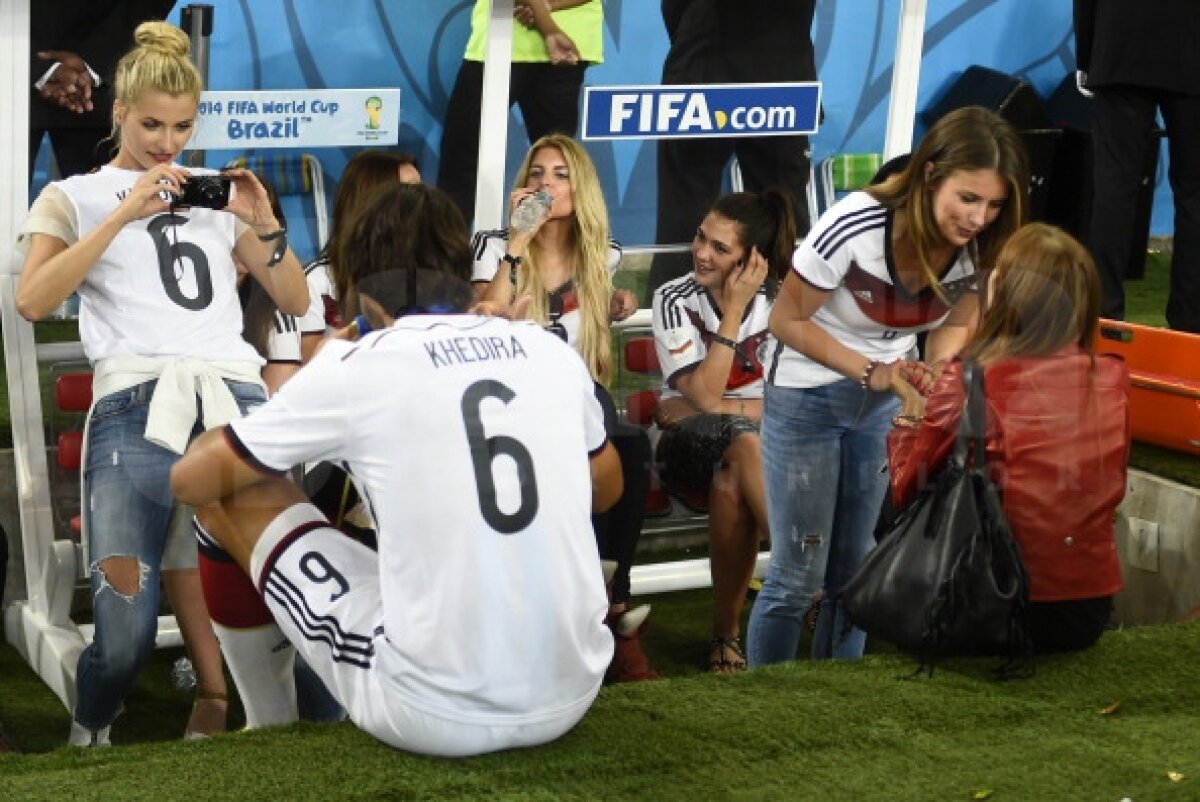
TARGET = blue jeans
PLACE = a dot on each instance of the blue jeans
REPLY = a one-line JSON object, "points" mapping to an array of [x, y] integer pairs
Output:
{"points": [[825, 465], [128, 504]]}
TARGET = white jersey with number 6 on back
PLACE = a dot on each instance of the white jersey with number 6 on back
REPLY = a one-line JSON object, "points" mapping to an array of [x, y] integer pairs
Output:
{"points": [[471, 437]]}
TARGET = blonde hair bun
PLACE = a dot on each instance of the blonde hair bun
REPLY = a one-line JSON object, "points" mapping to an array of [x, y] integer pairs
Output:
{"points": [[163, 37]]}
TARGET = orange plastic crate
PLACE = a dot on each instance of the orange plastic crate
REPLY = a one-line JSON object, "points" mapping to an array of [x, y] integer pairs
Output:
{"points": [[1164, 377]]}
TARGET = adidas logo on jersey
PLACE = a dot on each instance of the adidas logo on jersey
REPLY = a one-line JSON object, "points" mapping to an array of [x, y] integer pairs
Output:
{"points": [[863, 295]]}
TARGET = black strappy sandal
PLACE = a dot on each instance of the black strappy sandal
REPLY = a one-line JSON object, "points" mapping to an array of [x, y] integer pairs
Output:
{"points": [[721, 663]]}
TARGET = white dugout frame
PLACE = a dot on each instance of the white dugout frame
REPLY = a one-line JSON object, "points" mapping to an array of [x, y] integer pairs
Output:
{"points": [[39, 625]]}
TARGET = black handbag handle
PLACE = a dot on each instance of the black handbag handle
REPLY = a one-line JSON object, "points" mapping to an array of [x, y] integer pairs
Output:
{"points": [[971, 427]]}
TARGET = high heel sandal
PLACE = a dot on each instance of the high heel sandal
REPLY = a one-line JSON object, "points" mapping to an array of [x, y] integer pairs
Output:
{"points": [[209, 709], [719, 661]]}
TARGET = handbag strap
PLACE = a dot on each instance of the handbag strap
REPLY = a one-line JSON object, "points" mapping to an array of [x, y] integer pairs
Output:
{"points": [[971, 427]]}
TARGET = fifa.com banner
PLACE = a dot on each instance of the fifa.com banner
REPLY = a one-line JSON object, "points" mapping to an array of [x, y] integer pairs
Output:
{"points": [[301, 118], [700, 110]]}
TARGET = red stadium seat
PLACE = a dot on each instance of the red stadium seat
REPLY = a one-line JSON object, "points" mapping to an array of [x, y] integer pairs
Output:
{"points": [[73, 392], [70, 450], [641, 357]]}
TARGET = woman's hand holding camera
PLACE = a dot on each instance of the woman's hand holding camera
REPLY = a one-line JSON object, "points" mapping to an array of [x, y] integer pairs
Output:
{"points": [[250, 202], [152, 193]]}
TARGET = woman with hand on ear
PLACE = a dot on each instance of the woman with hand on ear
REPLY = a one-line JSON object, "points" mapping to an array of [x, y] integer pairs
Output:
{"points": [[708, 329]]}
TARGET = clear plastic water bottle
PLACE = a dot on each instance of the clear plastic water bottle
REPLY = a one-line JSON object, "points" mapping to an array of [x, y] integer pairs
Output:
{"points": [[531, 210], [183, 674]]}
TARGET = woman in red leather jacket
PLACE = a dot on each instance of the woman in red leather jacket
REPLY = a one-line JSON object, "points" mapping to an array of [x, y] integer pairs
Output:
{"points": [[1057, 431]]}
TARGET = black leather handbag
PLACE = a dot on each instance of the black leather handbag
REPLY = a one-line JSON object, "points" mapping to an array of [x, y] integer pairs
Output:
{"points": [[947, 576]]}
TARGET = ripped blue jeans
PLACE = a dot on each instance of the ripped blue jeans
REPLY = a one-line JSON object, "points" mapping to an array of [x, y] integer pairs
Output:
{"points": [[824, 455], [127, 504]]}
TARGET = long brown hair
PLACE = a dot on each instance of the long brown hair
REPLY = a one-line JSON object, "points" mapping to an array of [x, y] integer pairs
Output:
{"points": [[367, 171], [970, 138], [593, 282], [1044, 296], [765, 220]]}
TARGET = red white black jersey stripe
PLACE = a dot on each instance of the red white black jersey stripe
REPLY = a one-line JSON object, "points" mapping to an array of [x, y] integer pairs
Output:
{"points": [[323, 313]]}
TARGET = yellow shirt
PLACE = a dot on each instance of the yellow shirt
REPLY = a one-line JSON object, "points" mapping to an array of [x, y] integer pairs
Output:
{"points": [[583, 23]]}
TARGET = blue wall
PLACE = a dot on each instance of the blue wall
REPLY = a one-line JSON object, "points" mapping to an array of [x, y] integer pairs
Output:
{"points": [[407, 43]]}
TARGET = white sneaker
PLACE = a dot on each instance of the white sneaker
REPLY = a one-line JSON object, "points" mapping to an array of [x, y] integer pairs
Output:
{"points": [[81, 736]]}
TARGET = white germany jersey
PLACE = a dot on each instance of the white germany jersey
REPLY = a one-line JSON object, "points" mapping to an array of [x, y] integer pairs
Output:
{"points": [[283, 340], [166, 286], [849, 254], [685, 320], [470, 437], [488, 247]]}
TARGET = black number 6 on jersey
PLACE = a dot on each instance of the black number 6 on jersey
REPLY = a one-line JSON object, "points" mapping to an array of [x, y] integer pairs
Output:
{"points": [[485, 450], [171, 258]]}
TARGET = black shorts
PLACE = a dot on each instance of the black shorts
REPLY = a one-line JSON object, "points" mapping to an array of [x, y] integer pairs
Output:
{"points": [[691, 451]]}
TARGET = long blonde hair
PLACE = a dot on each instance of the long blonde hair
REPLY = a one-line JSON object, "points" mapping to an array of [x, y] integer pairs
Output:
{"points": [[590, 235], [159, 62], [1045, 295]]}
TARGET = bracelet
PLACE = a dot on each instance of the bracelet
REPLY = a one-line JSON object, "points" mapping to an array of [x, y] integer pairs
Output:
{"points": [[281, 244], [725, 341], [865, 380], [513, 262]]}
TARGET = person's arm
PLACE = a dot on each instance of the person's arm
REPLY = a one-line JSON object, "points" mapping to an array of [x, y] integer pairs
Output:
{"points": [[956, 330], [916, 453], [607, 482], [561, 48], [621, 305], [52, 270], [705, 386], [284, 281], [500, 293], [791, 322], [71, 83], [211, 470], [524, 13], [499, 296]]}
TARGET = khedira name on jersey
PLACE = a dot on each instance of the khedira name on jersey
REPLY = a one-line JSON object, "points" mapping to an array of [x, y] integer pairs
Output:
{"points": [[465, 350]]}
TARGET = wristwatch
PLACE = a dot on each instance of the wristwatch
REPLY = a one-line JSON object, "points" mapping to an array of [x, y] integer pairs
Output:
{"points": [[513, 263]]}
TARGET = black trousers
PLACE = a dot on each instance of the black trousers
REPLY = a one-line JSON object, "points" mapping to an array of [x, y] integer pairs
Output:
{"points": [[619, 528], [547, 95], [689, 182], [1068, 626], [1122, 120], [76, 150]]}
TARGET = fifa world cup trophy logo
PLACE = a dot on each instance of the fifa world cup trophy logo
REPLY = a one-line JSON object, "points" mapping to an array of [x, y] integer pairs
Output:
{"points": [[374, 110]]}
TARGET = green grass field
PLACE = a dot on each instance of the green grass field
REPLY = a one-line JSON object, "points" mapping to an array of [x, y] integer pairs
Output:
{"points": [[1120, 721]]}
